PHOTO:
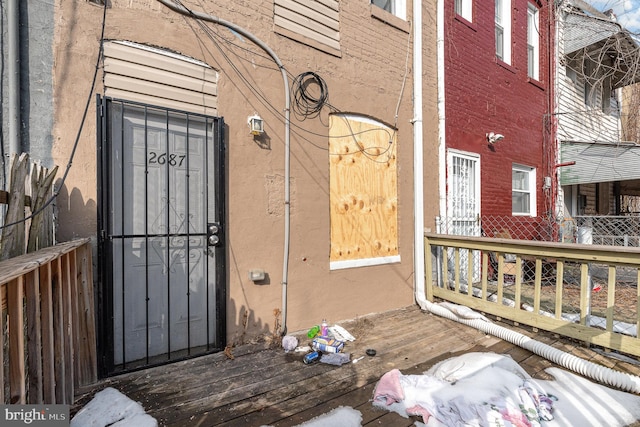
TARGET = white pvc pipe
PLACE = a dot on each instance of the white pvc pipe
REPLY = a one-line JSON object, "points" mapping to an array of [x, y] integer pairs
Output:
{"points": [[418, 166], [287, 132], [442, 152], [602, 374]]}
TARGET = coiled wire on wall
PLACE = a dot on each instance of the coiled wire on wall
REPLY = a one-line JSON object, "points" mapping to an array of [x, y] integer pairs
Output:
{"points": [[310, 94]]}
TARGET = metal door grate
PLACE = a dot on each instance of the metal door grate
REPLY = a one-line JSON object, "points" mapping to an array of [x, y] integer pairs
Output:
{"points": [[161, 235]]}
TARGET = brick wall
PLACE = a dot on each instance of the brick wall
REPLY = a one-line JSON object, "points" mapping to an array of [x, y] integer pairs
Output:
{"points": [[485, 95]]}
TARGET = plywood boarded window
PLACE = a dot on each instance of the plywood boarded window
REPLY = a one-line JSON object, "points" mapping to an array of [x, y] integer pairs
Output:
{"points": [[159, 77], [363, 180], [313, 22]]}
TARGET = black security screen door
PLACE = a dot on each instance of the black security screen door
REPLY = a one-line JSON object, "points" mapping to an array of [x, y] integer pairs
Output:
{"points": [[161, 235]]}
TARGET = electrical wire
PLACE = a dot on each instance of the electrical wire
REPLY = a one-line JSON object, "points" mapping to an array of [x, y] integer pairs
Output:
{"points": [[81, 127], [306, 103]]}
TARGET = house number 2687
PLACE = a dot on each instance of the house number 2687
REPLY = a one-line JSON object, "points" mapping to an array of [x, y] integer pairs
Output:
{"points": [[164, 158]]}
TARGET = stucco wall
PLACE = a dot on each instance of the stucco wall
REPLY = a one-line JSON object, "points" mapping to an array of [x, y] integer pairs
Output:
{"points": [[483, 94], [368, 78]]}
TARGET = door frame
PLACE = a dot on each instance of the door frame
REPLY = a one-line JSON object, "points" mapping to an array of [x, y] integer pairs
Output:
{"points": [[104, 291]]}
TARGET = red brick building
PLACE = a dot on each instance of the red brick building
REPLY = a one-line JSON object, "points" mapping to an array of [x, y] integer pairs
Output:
{"points": [[498, 92]]}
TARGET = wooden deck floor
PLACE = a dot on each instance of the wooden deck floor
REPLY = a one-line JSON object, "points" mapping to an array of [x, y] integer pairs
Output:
{"points": [[263, 386]]}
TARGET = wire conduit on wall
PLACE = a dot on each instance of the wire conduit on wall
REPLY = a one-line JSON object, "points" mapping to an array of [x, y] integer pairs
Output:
{"points": [[179, 8], [602, 374]]}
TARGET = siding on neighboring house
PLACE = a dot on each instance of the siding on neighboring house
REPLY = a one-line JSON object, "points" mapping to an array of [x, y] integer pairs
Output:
{"points": [[593, 149], [576, 120], [579, 122]]}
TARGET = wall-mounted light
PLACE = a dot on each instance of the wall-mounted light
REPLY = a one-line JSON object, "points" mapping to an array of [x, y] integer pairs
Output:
{"points": [[256, 124], [492, 138]]}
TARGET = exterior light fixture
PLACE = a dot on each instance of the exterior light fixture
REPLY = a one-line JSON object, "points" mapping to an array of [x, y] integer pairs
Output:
{"points": [[256, 124], [492, 138]]}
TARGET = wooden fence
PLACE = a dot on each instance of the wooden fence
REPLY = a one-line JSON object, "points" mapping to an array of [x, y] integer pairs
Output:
{"points": [[48, 331], [28, 220], [587, 292]]}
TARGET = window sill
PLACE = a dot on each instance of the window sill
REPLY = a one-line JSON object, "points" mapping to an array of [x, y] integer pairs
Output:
{"points": [[469, 24], [506, 66], [536, 83], [389, 18]]}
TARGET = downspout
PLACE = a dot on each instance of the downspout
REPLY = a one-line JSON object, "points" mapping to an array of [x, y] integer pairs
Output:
{"points": [[13, 66], [287, 151], [588, 369], [420, 292], [442, 136], [418, 154]]}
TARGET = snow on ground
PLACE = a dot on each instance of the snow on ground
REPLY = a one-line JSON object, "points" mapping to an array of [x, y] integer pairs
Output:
{"points": [[111, 408], [577, 401], [343, 416]]}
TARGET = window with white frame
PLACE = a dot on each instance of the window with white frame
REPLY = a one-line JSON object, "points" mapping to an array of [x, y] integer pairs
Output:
{"points": [[523, 190], [464, 9], [396, 7], [503, 30], [533, 41]]}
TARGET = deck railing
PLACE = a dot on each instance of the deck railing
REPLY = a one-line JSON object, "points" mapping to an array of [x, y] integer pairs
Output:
{"points": [[586, 292], [48, 334]]}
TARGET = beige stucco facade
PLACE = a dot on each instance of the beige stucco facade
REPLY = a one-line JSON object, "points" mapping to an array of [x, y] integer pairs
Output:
{"points": [[369, 75]]}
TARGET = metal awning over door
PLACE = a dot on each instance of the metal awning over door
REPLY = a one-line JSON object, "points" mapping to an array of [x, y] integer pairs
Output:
{"points": [[589, 162]]}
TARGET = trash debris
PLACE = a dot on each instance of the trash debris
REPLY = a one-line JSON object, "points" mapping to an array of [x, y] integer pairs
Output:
{"points": [[303, 349], [228, 351], [370, 352], [312, 357], [340, 333], [313, 332], [358, 359], [289, 343], [327, 345], [335, 358]]}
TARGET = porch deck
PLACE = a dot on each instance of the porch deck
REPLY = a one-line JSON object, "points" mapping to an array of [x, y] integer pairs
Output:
{"points": [[266, 386]]}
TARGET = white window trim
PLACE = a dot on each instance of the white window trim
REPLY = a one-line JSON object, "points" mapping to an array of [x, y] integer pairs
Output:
{"points": [[531, 173], [398, 8], [467, 10], [466, 155], [505, 23], [533, 14]]}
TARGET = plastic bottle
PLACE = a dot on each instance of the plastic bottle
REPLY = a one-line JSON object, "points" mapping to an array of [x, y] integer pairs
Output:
{"points": [[324, 329], [313, 331]]}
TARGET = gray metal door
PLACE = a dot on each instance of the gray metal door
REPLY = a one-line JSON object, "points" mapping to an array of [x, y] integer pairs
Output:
{"points": [[161, 228]]}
